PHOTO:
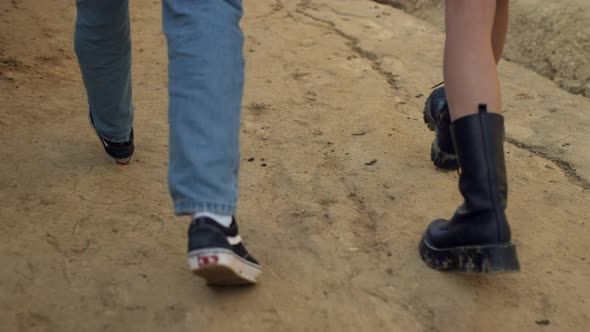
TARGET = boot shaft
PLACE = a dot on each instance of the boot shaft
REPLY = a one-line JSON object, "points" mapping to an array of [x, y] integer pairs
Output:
{"points": [[479, 144]]}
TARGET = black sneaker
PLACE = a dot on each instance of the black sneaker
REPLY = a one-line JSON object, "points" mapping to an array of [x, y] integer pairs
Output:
{"points": [[438, 119], [217, 254], [120, 153]]}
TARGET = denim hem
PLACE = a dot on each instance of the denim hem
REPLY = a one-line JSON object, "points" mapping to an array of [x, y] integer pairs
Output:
{"points": [[191, 207], [119, 138]]}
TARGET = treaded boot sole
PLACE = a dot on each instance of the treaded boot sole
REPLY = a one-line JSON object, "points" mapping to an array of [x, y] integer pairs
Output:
{"points": [[221, 267], [492, 258], [439, 158]]}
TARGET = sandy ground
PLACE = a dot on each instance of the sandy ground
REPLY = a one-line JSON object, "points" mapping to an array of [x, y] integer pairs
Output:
{"points": [[331, 85]]}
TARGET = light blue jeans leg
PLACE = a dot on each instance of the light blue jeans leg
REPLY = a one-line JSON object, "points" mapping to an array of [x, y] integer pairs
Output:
{"points": [[103, 47], [206, 78]]}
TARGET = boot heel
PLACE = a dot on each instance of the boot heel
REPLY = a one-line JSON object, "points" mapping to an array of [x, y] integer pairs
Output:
{"points": [[492, 258]]}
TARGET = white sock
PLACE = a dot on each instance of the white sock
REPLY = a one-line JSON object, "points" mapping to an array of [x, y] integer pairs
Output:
{"points": [[224, 221]]}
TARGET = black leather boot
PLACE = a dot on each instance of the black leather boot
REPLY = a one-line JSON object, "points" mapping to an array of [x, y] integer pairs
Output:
{"points": [[477, 238], [438, 119]]}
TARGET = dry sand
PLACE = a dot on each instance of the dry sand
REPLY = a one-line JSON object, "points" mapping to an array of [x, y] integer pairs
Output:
{"points": [[89, 246]]}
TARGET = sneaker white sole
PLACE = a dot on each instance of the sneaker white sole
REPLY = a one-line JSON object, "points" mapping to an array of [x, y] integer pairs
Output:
{"points": [[223, 267]]}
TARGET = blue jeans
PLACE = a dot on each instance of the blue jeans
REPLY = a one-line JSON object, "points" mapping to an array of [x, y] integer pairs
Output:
{"points": [[206, 78]]}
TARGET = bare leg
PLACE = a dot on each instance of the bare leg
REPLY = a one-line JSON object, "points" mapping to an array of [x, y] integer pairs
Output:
{"points": [[477, 239], [469, 64], [500, 28]]}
